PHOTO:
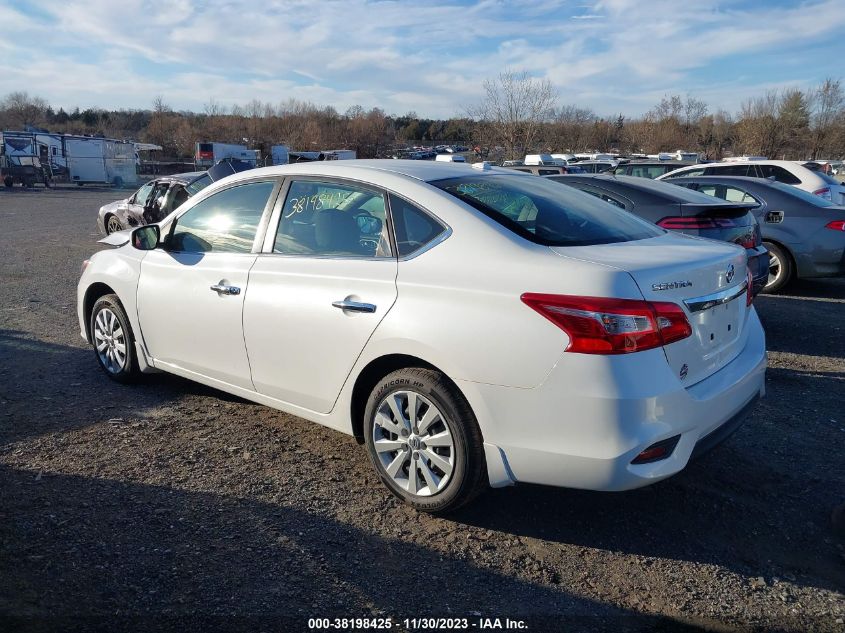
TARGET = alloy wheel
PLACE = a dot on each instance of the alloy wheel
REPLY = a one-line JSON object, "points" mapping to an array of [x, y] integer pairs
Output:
{"points": [[775, 269], [413, 442], [110, 341], [113, 225]]}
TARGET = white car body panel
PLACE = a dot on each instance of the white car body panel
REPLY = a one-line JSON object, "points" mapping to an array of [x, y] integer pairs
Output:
{"points": [[810, 180], [188, 325], [547, 416], [288, 314]]}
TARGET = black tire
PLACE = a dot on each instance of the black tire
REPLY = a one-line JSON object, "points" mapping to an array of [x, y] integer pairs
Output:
{"points": [[128, 370], [112, 224], [781, 270], [469, 471], [79, 184], [8, 181]]}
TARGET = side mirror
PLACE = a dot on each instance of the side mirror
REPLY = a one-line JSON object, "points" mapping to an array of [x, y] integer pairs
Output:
{"points": [[145, 238]]}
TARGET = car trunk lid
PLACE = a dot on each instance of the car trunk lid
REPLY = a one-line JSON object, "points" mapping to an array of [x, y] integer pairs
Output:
{"points": [[707, 279]]}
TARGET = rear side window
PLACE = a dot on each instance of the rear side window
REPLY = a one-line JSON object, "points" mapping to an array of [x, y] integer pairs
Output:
{"points": [[414, 228], [779, 174], [730, 170], [545, 212], [691, 172], [225, 222], [332, 219]]}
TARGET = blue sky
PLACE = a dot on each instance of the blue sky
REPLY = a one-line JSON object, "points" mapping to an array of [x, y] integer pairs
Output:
{"points": [[427, 56]]}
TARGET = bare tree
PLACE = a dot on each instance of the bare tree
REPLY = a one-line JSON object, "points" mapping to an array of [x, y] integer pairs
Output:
{"points": [[828, 108], [515, 106]]}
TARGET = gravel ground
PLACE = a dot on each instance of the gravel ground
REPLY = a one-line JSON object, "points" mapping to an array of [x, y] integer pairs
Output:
{"points": [[169, 505]]}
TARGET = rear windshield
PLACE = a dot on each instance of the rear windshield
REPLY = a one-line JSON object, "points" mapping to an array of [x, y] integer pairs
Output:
{"points": [[806, 196], [546, 213], [199, 184]]}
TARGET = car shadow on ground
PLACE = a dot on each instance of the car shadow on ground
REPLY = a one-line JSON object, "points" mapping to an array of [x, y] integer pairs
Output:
{"points": [[132, 554], [59, 387]]}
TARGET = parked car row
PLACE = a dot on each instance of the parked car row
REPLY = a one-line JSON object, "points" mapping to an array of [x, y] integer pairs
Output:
{"points": [[462, 322]]}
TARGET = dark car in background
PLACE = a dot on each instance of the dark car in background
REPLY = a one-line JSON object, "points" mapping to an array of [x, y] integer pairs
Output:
{"points": [[649, 168], [546, 170], [157, 198], [804, 233], [684, 211]]}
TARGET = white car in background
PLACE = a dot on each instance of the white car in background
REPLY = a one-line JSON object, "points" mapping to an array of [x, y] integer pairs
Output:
{"points": [[470, 325], [785, 171]]}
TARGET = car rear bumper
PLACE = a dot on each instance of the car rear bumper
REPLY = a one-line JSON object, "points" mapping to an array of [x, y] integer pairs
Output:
{"points": [[594, 414], [758, 263]]}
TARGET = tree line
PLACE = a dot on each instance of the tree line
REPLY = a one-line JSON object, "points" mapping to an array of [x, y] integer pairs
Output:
{"points": [[517, 114]]}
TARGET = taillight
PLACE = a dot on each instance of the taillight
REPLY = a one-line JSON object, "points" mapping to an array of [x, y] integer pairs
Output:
{"points": [[597, 325], [824, 192], [680, 223], [749, 294], [836, 225]]}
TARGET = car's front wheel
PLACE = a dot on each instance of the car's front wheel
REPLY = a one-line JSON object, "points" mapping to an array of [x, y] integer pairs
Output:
{"points": [[111, 335], [113, 225], [424, 440]]}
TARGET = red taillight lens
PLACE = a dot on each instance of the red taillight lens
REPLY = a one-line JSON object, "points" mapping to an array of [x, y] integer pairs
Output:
{"points": [[679, 223], [749, 294], [836, 225], [597, 325], [824, 192]]}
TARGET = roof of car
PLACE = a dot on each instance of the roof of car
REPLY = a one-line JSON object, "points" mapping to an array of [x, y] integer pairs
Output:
{"points": [[423, 170], [661, 189]]}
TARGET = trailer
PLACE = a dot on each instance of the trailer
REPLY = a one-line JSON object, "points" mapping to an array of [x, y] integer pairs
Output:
{"points": [[20, 161], [100, 161], [339, 154], [207, 154], [280, 154]]}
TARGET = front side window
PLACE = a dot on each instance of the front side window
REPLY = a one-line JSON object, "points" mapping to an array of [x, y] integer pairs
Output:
{"points": [[143, 193], [730, 170], [199, 184], [545, 212], [225, 222], [779, 174], [332, 219]]}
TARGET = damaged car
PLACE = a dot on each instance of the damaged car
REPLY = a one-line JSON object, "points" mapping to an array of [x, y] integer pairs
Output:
{"points": [[157, 198]]}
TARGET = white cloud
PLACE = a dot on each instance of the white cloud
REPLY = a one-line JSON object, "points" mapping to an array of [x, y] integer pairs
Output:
{"points": [[431, 57]]}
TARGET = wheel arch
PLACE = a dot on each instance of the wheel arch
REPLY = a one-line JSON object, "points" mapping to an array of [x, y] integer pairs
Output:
{"points": [[374, 371], [92, 293], [788, 252]]}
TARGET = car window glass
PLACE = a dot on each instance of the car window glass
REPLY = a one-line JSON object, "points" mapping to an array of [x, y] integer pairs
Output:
{"points": [[779, 174], [732, 194], [729, 170], [604, 196], [545, 213], [180, 195], [199, 184], [414, 228], [225, 222], [332, 219], [143, 193]]}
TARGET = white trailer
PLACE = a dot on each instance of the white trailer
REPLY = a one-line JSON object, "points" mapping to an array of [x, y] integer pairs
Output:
{"points": [[207, 154], [100, 161]]}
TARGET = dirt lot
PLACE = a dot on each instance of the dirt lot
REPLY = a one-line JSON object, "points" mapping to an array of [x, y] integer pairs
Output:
{"points": [[169, 505]]}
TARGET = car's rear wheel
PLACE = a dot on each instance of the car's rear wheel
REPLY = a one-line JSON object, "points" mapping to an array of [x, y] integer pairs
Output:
{"points": [[424, 440], [113, 224], [780, 268], [8, 181], [111, 335]]}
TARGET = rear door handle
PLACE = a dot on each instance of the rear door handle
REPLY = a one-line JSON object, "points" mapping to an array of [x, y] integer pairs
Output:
{"points": [[226, 290], [354, 306]]}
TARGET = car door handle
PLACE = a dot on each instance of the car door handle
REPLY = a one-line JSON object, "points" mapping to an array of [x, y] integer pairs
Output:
{"points": [[354, 306], [226, 290]]}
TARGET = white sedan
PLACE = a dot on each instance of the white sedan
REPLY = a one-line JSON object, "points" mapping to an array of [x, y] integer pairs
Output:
{"points": [[472, 326]]}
